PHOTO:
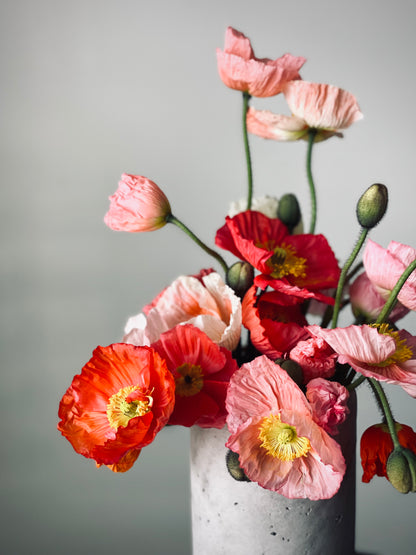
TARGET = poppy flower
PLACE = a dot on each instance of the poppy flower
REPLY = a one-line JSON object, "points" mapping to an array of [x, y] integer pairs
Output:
{"points": [[272, 429], [123, 397], [137, 205], [297, 265], [274, 328], [385, 266], [239, 68], [367, 303], [329, 403], [375, 351], [325, 108], [204, 301], [376, 446], [315, 357], [201, 371]]}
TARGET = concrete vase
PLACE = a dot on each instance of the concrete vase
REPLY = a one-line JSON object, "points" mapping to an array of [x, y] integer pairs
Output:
{"points": [[241, 518]]}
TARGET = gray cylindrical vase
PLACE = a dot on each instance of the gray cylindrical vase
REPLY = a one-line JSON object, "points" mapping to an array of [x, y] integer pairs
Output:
{"points": [[242, 518]]}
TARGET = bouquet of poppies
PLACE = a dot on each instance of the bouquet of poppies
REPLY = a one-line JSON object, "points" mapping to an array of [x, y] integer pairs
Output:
{"points": [[241, 347]]}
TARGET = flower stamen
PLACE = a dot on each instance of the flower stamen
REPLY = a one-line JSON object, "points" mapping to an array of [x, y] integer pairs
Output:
{"points": [[120, 411], [402, 353], [190, 381], [281, 440], [284, 262]]}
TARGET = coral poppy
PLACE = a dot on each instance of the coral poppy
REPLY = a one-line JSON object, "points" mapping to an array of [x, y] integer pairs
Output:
{"points": [[367, 303], [315, 357], [376, 352], [137, 205], [376, 446], [205, 302], [239, 68], [298, 265], [279, 445], [385, 266], [115, 407], [314, 106], [329, 403], [202, 371], [274, 328]]}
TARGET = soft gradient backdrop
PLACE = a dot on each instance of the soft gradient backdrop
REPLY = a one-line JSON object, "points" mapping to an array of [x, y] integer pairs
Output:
{"points": [[91, 89]]}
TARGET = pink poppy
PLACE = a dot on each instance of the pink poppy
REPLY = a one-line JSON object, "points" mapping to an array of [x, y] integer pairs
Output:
{"points": [[376, 352], [313, 106], [315, 357], [297, 265], [202, 371], [123, 397], [272, 429], [239, 69], [274, 328], [137, 205], [205, 302], [329, 403], [385, 266], [367, 303]]}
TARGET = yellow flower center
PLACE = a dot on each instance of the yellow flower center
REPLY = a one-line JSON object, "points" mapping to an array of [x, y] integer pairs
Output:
{"points": [[120, 412], [190, 380], [281, 440], [284, 262], [402, 353]]}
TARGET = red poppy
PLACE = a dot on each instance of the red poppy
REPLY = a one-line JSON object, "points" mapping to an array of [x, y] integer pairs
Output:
{"points": [[201, 370], [274, 328], [120, 401], [376, 446], [299, 265]]}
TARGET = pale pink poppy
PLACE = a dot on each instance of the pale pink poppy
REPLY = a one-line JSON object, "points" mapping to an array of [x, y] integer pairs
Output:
{"points": [[329, 403], [376, 352], [239, 68], [385, 266], [272, 429], [315, 357], [322, 107], [207, 303], [137, 205], [367, 303]]}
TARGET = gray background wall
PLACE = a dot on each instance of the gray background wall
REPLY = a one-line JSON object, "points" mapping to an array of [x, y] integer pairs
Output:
{"points": [[94, 88]]}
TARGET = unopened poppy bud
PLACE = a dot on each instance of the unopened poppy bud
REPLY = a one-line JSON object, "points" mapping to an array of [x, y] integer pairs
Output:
{"points": [[293, 369], [240, 277], [234, 468], [401, 470], [289, 211], [372, 205]]}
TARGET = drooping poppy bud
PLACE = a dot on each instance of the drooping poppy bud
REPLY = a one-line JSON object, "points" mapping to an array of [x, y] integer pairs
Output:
{"points": [[401, 470]]}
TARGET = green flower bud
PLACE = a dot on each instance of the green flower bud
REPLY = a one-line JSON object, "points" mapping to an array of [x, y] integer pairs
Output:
{"points": [[240, 277], [234, 468], [372, 205], [288, 211], [401, 470]]}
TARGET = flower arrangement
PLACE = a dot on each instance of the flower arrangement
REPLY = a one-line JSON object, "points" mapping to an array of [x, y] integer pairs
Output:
{"points": [[241, 349]]}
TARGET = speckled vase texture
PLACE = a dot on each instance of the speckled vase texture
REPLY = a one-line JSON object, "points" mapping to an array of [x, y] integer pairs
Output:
{"points": [[242, 518]]}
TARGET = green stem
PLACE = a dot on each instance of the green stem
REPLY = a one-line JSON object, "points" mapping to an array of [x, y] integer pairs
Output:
{"points": [[388, 307], [246, 100], [344, 272], [171, 219], [311, 139], [385, 407], [356, 383]]}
